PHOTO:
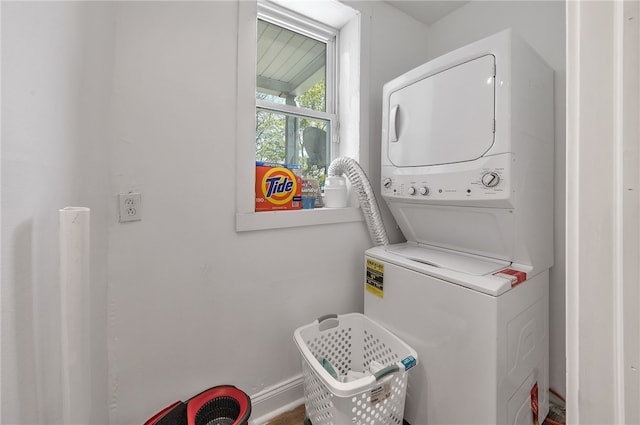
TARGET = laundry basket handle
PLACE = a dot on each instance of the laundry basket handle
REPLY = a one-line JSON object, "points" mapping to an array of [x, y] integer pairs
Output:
{"points": [[393, 368], [328, 321], [327, 316]]}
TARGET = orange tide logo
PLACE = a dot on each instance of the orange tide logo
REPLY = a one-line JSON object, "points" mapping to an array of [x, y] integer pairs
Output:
{"points": [[279, 185]]}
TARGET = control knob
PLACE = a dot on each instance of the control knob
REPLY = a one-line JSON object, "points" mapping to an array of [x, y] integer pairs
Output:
{"points": [[490, 179], [386, 182], [424, 190], [412, 190]]}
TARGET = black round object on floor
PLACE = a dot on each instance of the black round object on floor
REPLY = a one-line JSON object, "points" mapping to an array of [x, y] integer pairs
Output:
{"points": [[222, 405]]}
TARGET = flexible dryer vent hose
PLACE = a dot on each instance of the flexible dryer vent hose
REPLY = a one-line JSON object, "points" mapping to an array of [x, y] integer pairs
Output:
{"points": [[360, 183]]}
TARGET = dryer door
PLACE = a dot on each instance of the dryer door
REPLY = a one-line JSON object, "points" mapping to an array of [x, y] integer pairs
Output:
{"points": [[444, 118]]}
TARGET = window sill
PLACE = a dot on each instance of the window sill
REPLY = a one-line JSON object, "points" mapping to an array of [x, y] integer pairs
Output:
{"points": [[283, 219]]}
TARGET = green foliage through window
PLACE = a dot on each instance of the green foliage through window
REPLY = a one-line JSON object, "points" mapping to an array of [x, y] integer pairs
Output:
{"points": [[308, 148]]}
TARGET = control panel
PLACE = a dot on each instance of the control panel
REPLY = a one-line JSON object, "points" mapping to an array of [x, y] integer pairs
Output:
{"points": [[455, 182]]}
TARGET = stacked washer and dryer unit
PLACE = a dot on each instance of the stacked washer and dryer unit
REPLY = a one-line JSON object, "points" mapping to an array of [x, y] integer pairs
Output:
{"points": [[467, 172]]}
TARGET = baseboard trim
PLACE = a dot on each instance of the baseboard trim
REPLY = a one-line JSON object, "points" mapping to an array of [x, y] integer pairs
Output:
{"points": [[277, 399]]}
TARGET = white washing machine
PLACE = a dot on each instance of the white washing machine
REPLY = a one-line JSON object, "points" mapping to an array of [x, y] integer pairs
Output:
{"points": [[482, 345], [467, 172]]}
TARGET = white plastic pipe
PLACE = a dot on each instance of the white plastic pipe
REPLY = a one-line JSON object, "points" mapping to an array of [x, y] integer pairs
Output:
{"points": [[74, 242]]}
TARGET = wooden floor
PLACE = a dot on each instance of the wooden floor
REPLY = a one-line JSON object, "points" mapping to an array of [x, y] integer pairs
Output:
{"points": [[292, 417], [296, 416]]}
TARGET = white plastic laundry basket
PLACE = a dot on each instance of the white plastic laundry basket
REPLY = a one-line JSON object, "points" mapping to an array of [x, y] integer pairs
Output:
{"points": [[350, 342]]}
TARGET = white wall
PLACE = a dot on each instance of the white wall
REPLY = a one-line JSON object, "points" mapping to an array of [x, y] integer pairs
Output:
{"points": [[53, 82], [542, 25], [104, 98], [192, 303]]}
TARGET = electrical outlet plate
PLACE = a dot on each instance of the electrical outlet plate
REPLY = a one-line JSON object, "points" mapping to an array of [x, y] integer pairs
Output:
{"points": [[130, 207]]}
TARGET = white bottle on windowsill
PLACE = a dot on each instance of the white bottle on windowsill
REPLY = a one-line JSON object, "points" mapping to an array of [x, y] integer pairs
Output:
{"points": [[335, 192]]}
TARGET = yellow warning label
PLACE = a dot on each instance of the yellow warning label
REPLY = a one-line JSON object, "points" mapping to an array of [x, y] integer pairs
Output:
{"points": [[375, 278]]}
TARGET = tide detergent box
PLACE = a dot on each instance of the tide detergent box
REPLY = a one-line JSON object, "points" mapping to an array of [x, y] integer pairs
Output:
{"points": [[277, 187]]}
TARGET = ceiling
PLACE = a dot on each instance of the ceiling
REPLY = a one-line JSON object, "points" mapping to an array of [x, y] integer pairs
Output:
{"points": [[427, 11], [288, 63]]}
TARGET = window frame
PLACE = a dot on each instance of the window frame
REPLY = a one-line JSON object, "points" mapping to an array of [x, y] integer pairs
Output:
{"points": [[246, 217], [308, 27], [277, 15]]}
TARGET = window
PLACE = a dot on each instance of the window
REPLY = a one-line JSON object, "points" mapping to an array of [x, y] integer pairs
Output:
{"points": [[296, 118], [285, 113]]}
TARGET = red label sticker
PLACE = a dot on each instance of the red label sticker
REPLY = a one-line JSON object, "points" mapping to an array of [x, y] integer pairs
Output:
{"points": [[515, 276], [534, 403]]}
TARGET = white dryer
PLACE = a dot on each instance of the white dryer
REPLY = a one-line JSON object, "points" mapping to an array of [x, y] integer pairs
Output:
{"points": [[467, 172]]}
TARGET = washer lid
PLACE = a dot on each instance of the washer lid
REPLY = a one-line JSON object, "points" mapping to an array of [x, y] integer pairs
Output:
{"points": [[456, 268], [435, 257], [445, 117]]}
